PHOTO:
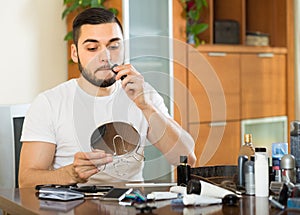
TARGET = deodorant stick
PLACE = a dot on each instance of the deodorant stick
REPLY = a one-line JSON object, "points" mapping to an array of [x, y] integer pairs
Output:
{"points": [[261, 170]]}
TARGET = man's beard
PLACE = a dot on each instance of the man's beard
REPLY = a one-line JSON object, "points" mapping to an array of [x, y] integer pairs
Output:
{"points": [[93, 80]]}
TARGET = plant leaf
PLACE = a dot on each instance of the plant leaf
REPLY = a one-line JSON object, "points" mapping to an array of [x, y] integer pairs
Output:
{"points": [[68, 2], [197, 41], [85, 3], [114, 11], [204, 2], [198, 4], [95, 3], [199, 28], [70, 9], [69, 36], [70, 61], [194, 15]]}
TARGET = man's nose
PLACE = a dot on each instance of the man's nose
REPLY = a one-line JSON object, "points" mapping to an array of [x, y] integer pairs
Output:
{"points": [[104, 55]]}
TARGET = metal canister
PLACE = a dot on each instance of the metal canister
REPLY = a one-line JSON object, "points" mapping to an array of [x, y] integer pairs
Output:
{"points": [[249, 176], [288, 168]]}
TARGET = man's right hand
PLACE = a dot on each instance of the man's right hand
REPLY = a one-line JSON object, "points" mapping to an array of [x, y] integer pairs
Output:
{"points": [[36, 161], [86, 164]]}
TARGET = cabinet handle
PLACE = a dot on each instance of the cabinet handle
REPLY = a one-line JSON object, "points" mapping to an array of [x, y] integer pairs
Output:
{"points": [[266, 55], [215, 124], [217, 54]]}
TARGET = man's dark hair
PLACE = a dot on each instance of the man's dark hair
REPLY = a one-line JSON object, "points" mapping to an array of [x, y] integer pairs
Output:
{"points": [[93, 16]]}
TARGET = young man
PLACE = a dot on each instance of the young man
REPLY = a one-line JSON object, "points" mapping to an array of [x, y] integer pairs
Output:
{"points": [[58, 127]]}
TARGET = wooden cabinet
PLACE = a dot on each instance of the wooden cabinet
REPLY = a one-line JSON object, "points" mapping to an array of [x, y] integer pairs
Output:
{"points": [[214, 106], [263, 85], [214, 85], [257, 81], [216, 143], [266, 16], [253, 85]]}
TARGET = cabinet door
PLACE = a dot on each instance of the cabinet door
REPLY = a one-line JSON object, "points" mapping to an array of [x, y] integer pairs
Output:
{"points": [[214, 84], [216, 143], [263, 78]]}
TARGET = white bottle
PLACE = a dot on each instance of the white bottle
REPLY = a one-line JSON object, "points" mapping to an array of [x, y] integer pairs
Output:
{"points": [[261, 169]]}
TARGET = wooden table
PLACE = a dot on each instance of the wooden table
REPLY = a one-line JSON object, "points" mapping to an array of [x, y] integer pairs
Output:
{"points": [[24, 201]]}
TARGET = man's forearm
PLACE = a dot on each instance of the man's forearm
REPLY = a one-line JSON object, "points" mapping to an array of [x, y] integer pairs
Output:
{"points": [[169, 137], [33, 177]]}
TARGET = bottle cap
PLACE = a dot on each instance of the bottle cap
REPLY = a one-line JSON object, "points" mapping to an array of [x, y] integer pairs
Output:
{"points": [[295, 126], [248, 138], [260, 149], [287, 162], [183, 159]]}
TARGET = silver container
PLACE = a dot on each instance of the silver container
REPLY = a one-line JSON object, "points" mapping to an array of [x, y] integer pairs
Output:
{"points": [[288, 168]]}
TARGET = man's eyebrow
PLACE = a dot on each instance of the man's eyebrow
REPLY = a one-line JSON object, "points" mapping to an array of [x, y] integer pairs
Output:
{"points": [[114, 39], [90, 41], [96, 41]]}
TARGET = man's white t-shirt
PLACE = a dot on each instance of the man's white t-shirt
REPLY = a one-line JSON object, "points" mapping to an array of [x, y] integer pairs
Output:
{"points": [[67, 116]]}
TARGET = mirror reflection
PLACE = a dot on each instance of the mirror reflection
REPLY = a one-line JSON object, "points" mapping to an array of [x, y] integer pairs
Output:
{"points": [[117, 138]]}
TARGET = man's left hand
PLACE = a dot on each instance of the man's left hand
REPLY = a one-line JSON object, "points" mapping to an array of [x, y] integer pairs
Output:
{"points": [[133, 84]]}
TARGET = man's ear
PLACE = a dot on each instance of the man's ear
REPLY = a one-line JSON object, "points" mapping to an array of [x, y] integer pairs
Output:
{"points": [[74, 54]]}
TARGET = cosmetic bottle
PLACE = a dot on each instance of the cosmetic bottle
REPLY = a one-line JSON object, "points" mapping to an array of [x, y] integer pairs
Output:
{"points": [[288, 169], [241, 171], [206, 189], [183, 172], [261, 172], [249, 176], [278, 151], [295, 146], [247, 148]]}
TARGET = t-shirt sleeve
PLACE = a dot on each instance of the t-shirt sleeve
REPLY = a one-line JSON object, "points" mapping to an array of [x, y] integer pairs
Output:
{"points": [[38, 125], [157, 100]]}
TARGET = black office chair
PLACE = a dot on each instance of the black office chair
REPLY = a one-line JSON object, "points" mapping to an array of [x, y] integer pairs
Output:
{"points": [[18, 125]]}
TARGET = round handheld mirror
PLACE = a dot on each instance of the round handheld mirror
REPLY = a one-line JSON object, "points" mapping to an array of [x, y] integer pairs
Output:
{"points": [[117, 138]]}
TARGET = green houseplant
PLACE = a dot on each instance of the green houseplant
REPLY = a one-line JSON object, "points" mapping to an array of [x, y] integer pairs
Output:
{"points": [[78, 5], [193, 10]]}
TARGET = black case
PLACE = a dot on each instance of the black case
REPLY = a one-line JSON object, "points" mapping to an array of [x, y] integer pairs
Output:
{"points": [[226, 32]]}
